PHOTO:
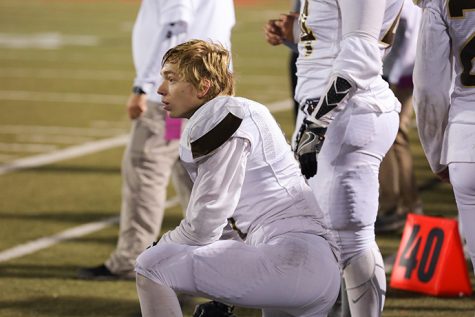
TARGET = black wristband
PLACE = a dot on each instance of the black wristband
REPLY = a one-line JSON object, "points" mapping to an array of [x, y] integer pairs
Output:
{"points": [[138, 90]]}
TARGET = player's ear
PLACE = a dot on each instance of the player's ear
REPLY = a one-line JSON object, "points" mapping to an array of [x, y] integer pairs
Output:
{"points": [[205, 85]]}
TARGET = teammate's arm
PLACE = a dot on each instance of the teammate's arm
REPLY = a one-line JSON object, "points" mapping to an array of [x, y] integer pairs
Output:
{"points": [[355, 67], [432, 82], [283, 31]]}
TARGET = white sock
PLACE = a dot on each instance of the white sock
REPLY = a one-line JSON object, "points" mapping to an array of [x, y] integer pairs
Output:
{"points": [[157, 300], [366, 284]]}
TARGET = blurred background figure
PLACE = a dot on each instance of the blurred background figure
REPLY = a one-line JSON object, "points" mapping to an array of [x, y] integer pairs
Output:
{"points": [[398, 189], [294, 54], [272, 32], [151, 156]]}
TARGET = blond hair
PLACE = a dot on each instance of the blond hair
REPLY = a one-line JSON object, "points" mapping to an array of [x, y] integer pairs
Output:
{"points": [[197, 60]]}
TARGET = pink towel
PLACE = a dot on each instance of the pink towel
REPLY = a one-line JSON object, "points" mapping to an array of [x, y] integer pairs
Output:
{"points": [[172, 128]]}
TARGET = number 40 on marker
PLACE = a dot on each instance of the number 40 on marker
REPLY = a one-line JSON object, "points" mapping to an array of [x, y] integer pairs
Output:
{"points": [[430, 258]]}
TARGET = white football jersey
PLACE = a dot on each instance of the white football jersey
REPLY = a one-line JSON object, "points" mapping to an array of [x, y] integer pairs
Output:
{"points": [[323, 55], [444, 82], [242, 168]]}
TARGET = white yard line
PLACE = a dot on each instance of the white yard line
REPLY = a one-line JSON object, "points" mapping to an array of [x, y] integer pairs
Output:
{"points": [[59, 130], [52, 139], [68, 153], [42, 243], [87, 148], [280, 105], [76, 232], [27, 147], [21, 95], [54, 73]]}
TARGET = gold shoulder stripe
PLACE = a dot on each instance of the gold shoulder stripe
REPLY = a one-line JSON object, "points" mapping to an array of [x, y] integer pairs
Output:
{"points": [[216, 137], [388, 38]]}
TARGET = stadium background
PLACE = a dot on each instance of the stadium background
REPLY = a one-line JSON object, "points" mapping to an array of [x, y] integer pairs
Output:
{"points": [[65, 74]]}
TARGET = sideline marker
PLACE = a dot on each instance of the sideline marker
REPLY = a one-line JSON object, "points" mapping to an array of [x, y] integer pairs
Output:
{"points": [[430, 258]]}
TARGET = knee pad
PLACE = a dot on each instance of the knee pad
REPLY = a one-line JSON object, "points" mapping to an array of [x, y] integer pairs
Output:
{"points": [[213, 309], [366, 283]]}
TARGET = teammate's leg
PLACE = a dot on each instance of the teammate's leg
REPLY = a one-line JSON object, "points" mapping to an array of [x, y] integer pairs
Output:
{"points": [[463, 182], [347, 187], [366, 283]]}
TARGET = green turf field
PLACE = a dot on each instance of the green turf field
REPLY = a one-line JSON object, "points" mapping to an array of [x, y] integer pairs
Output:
{"points": [[65, 74]]}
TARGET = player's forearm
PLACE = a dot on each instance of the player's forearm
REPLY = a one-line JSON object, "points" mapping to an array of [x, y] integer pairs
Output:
{"points": [[336, 92], [359, 60]]}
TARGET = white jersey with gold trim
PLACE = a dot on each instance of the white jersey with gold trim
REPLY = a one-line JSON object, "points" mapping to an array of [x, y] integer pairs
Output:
{"points": [[320, 55], [444, 82]]}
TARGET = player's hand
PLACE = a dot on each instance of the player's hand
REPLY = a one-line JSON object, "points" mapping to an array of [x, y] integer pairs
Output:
{"points": [[273, 33], [280, 30], [286, 25], [444, 175], [136, 105], [309, 142]]}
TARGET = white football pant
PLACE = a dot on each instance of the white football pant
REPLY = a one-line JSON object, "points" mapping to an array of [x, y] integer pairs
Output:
{"points": [[463, 183]]}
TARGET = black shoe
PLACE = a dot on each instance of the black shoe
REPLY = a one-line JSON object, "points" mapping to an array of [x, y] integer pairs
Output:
{"points": [[213, 309], [101, 272]]}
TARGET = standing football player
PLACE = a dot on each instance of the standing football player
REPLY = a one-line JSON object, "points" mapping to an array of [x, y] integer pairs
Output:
{"points": [[444, 100], [348, 120]]}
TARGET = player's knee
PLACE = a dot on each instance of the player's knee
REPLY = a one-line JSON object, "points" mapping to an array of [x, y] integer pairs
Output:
{"points": [[152, 258]]}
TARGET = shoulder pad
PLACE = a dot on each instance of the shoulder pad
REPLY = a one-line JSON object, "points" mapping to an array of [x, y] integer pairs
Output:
{"points": [[215, 137], [213, 124]]}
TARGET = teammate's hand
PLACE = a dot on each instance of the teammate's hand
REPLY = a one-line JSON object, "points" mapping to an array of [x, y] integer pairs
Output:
{"points": [[309, 142], [280, 30], [273, 33], [136, 105], [286, 25]]}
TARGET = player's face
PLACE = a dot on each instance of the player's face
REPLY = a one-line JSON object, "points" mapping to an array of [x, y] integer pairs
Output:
{"points": [[180, 98]]}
